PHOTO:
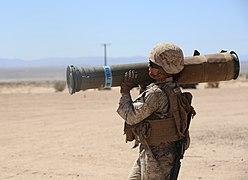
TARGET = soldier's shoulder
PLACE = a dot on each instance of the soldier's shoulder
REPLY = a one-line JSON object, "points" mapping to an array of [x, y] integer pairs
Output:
{"points": [[154, 88]]}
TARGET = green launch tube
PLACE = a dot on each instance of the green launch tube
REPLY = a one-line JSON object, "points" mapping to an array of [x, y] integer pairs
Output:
{"points": [[222, 66]]}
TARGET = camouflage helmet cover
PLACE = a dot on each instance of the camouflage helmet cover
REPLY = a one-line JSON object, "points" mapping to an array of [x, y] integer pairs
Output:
{"points": [[169, 56]]}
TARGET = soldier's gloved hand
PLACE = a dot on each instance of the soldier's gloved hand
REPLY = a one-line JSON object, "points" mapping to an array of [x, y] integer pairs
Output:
{"points": [[129, 81]]}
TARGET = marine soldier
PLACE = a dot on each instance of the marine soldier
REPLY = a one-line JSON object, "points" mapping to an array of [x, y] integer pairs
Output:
{"points": [[159, 117]]}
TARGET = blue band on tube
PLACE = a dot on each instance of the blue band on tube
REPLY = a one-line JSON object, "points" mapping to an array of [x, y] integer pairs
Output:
{"points": [[108, 76]]}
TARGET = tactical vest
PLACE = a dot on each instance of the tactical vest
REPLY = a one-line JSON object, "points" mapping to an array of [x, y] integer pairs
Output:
{"points": [[153, 130]]}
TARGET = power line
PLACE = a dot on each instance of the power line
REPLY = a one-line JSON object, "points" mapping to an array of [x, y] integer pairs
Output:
{"points": [[105, 53]]}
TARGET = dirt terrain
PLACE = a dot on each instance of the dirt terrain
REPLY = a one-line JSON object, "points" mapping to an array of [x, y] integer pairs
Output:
{"points": [[53, 135]]}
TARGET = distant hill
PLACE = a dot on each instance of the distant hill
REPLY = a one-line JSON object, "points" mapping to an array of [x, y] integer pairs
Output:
{"points": [[52, 68], [244, 67], [63, 62], [32, 73]]}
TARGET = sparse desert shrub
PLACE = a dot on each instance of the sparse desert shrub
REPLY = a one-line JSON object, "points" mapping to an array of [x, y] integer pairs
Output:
{"points": [[59, 86], [212, 85]]}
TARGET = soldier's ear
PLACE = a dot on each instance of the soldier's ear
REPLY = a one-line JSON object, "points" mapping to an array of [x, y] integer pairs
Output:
{"points": [[162, 72]]}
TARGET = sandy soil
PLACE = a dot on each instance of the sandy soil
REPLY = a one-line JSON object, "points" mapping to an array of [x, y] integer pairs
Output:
{"points": [[48, 135]]}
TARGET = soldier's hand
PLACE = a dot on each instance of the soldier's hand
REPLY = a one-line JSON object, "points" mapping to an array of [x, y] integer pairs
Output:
{"points": [[129, 81]]}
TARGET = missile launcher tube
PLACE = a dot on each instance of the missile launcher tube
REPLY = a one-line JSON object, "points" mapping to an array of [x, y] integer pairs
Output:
{"points": [[197, 69]]}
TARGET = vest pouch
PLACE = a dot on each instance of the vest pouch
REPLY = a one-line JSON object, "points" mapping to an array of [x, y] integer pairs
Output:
{"points": [[185, 107], [162, 130], [128, 132]]}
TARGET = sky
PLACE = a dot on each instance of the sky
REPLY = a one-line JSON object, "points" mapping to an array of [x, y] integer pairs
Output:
{"points": [[36, 29]]}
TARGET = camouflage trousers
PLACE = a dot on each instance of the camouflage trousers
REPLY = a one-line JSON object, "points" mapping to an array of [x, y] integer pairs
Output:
{"points": [[154, 163]]}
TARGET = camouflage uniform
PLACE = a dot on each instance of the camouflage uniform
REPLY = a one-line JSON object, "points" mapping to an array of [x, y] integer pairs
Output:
{"points": [[154, 162]]}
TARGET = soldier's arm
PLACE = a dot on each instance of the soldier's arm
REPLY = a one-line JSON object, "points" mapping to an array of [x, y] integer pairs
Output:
{"points": [[142, 107]]}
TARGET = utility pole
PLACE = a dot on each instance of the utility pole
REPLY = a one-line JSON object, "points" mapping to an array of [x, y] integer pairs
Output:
{"points": [[105, 53]]}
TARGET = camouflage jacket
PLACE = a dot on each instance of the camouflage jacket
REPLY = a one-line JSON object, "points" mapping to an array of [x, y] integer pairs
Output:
{"points": [[153, 100]]}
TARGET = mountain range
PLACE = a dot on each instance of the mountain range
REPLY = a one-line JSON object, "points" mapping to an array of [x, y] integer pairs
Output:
{"points": [[62, 62], [52, 68]]}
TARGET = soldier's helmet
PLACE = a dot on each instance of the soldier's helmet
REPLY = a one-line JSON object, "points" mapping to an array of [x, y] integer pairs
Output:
{"points": [[169, 56]]}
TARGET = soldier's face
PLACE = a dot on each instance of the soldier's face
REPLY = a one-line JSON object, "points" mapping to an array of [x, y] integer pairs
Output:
{"points": [[153, 71], [157, 72]]}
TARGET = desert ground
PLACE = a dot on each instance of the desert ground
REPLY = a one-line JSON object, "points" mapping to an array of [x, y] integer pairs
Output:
{"points": [[54, 135]]}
